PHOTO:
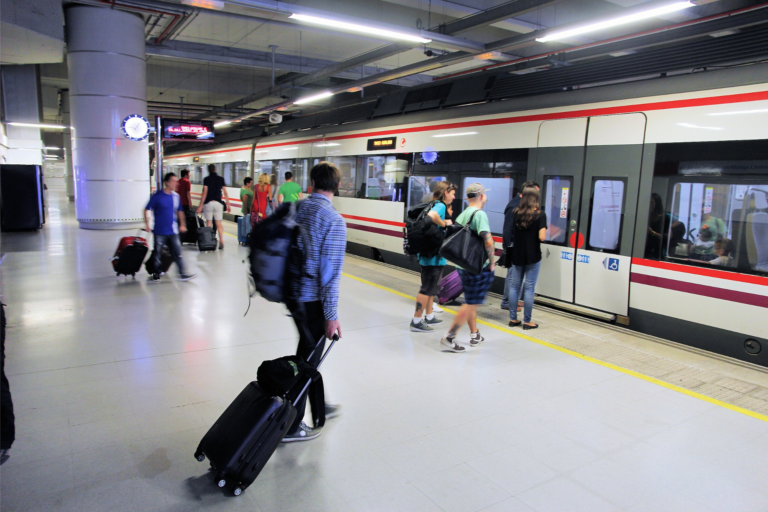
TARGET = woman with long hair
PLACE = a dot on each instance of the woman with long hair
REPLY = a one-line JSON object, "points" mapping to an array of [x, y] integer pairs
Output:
{"points": [[263, 197], [530, 231]]}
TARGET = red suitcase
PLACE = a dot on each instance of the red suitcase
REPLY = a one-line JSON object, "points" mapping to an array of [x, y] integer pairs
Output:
{"points": [[129, 255], [450, 288]]}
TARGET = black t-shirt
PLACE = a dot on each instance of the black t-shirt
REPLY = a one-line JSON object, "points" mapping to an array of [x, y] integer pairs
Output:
{"points": [[215, 183], [527, 248]]}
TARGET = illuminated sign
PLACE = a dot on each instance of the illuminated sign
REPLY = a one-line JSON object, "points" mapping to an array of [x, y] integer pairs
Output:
{"points": [[177, 129], [195, 159], [388, 143], [135, 127]]}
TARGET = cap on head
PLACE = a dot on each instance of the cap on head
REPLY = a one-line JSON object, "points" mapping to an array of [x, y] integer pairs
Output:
{"points": [[475, 190]]}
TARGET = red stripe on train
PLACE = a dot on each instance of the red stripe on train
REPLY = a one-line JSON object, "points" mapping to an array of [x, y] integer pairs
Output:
{"points": [[699, 289], [699, 271], [379, 221]]}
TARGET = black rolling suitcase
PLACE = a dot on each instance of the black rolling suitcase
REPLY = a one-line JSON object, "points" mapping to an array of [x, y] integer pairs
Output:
{"points": [[194, 222], [246, 435], [206, 239], [166, 259]]}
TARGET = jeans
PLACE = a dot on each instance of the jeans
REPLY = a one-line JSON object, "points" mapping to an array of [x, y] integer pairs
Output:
{"points": [[529, 273], [310, 322], [507, 284], [174, 244]]}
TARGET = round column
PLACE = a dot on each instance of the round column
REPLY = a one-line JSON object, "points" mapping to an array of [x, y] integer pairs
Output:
{"points": [[69, 178], [107, 83]]}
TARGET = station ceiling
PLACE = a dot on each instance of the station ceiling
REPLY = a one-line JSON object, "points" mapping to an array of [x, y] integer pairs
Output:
{"points": [[215, 57]]}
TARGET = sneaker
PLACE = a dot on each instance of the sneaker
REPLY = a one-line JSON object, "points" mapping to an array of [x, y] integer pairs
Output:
{"points": [[452, 345], [303, 433], [422, 326], [434, 321], [155, 278], [436, 308], [187, 277], [221, 245], [332, 410], [476, 339]]}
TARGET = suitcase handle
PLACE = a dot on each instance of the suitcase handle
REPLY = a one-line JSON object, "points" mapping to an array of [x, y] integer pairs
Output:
{"points": [[306, 386]]}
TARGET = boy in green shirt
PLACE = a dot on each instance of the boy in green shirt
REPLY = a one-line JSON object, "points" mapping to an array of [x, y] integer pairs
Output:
{"points": [[246, 196], [289, 192], [475, 286]]}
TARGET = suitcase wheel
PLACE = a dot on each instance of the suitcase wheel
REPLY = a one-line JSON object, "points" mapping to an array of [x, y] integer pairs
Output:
{"points": [[199, 456], [238, 491], [220, 481]]}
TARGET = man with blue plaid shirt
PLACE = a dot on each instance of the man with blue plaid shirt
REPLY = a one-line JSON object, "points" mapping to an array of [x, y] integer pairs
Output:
{"points": [[323, 243]]}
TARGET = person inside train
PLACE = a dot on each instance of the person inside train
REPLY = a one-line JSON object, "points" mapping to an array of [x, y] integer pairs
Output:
{"points": [[431, 192], [660, 223], [724, 249], [246, 196], [530, 231], [432, 267], [711, 230], [475, 286], [290, 191], [212, 206], [508, 239], [184, 189], [263, 198]]}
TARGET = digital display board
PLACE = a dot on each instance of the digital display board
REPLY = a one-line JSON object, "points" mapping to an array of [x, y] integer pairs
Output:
{"points": [[178, 129], [386, 143]]}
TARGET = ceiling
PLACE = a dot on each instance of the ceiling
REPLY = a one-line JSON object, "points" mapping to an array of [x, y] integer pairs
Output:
{"points": [[218, 62]]}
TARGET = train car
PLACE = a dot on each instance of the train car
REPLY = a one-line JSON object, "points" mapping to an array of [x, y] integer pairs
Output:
{"points": [[656, 194]]}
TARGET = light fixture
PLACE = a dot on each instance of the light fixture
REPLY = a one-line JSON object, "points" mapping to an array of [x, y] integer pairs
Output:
{"points": [[327, 144], [739, 112], [217, 5], [310, 99], [290, 148], [454, 134], [38, 125], [151, 144], [622, 20], [689, 125], [495, 56], [52, 148], [354, 27], [222, 123]]}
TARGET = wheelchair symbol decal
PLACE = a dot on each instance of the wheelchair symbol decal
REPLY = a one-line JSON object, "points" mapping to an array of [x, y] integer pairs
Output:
{"points": [[611, 264]]}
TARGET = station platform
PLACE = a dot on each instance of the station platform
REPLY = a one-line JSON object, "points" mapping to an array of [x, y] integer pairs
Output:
{"points": [[115, 381]]}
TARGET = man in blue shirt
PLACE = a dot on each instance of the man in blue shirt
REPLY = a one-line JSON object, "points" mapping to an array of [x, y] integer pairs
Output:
{"points": [[315, 311], [168, 213]]}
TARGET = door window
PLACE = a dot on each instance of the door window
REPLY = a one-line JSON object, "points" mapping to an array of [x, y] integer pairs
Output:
{"points": [[557, 206], [500, 192], [420, 188], [607, 214]]}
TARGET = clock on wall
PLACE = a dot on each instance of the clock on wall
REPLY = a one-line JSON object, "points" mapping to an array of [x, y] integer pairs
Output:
{"points": [[135, 127]]}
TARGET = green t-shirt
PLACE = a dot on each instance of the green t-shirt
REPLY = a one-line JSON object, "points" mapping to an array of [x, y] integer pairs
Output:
{"points": [[246, 197], [290, 191], [479, 224]]}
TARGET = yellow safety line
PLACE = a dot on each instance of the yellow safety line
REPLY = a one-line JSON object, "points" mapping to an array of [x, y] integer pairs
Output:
{"points": [[626, 371]]}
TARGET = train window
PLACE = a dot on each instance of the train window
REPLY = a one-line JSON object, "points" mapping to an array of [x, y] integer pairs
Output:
{"points": [[301, 174], [227, 172], [420, 188], [445, 162], [348, 167], [241, 171], [557, 206], [716, 223], [606, 215], [500, 191]]}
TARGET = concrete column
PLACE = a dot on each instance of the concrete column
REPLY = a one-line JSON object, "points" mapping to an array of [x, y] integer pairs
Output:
{"points": [[69, 177], [107, 83], [21, 103]]}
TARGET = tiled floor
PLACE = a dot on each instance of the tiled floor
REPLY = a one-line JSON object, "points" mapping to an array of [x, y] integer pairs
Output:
{"points": [[115, 381]]}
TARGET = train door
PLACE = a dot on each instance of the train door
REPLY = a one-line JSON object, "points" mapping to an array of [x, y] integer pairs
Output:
{"points": [[607, 212], [559, 171]]}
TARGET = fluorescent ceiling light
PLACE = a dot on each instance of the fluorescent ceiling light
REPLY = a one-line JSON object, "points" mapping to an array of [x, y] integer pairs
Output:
{"points": [[223, 123], [205, 4], [324, 144], [623, 20], [53, 148], [455, 134], [739, 112], [354, 27], [310, 99], [151, 143], [689, 125], [290, 148], [39, 125]]}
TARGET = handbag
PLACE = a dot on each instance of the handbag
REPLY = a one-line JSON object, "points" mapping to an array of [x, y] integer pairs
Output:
{"points": [[465, 248]]}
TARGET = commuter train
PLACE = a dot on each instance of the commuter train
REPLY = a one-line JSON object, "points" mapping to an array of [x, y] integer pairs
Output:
{"points": [[656, 194]]}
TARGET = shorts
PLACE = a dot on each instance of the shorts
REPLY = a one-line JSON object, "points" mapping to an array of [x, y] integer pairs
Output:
{"points": [[213, 210], [430, 280], [476, 286]]}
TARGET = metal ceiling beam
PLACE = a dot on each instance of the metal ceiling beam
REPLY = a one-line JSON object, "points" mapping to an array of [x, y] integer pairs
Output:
{"points": [[496, 14]]}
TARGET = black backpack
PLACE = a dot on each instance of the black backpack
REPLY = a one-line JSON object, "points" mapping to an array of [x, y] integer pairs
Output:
{"points": [[422, 235], [287, 376], [273, 249]]}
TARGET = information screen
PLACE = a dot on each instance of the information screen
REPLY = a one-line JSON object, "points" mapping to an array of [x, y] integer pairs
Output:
{"points": [[387, 143], [177, 129]]}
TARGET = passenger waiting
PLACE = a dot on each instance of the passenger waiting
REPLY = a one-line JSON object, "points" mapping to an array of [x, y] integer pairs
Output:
{"points": [[530, 231], [290, 191], [509, 241], [212, 206], [246, 196], [660, 225], [263, 198], [184, 188], [432, 266]]}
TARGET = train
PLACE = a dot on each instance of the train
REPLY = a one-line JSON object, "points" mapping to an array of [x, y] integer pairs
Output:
{"points": [[656, 194]]}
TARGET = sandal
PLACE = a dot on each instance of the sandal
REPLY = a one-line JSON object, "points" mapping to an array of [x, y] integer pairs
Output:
{"points": [[527, 327], [515, 323]]}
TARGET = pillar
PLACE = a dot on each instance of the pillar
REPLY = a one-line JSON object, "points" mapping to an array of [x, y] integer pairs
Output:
{"points": [[107, 83], [69, 178], [21, 103]]}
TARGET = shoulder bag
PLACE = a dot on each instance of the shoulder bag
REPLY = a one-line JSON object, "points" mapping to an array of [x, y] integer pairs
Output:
{"points": [[464, 247]]}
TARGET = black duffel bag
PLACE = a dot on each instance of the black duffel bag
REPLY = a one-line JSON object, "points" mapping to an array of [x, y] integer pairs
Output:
{"points": [[464, 247]]}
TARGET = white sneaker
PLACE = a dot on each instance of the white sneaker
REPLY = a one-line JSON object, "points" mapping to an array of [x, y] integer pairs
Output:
{"points": [[452, 345], [436, 308]]}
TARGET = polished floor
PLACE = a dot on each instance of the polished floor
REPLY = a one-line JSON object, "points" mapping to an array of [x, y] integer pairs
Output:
{"points": [[115, 381]]}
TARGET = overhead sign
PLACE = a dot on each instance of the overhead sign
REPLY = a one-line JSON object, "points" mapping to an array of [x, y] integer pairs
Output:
{"points": [[177, 129], [135, 127], [377, 144]]}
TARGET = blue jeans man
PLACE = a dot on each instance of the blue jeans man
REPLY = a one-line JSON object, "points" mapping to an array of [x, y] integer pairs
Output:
{"points": [[174, 245], [529, 274]]}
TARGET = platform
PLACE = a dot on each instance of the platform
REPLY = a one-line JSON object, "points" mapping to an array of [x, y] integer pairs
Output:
{"points": [[115, 380]]}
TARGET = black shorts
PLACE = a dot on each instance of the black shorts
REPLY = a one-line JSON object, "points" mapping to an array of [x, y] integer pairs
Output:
{"points": [[430, 280]]}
